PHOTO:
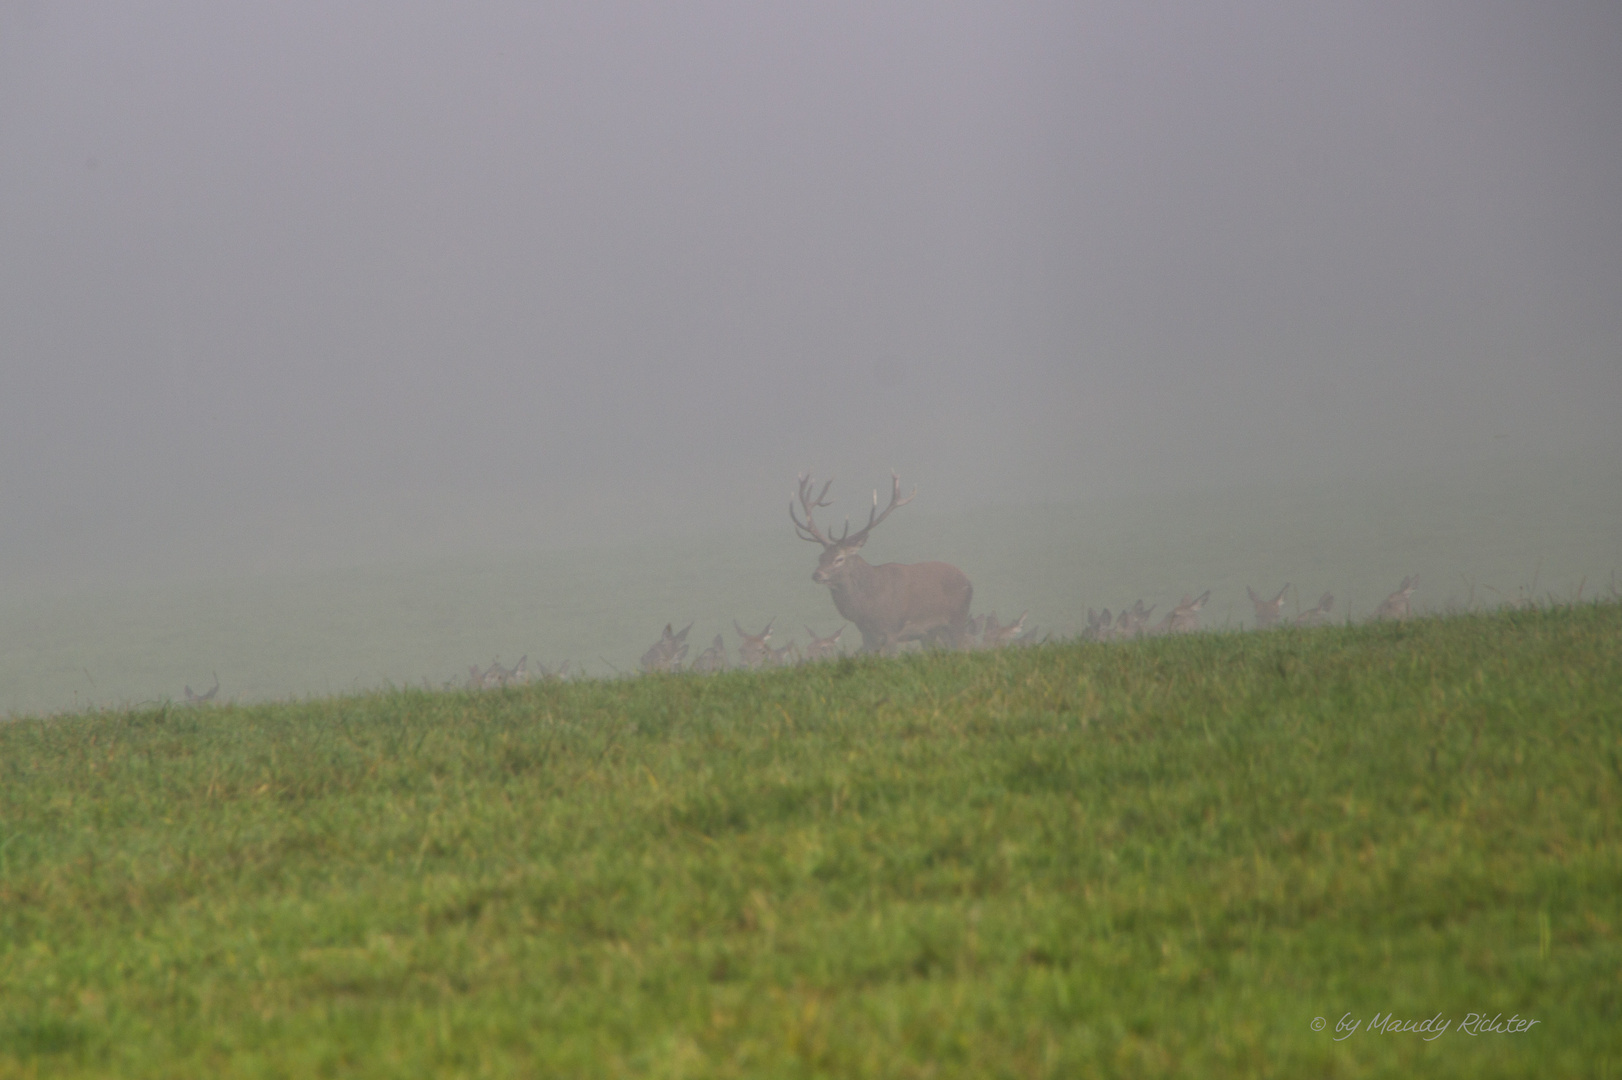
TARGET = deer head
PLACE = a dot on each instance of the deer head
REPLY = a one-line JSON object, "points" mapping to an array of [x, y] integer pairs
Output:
{"points": [[997, 635], [1267, 611], [1396, 605], [666, 654], [752, 648], [821, 648], [836, 553], [1185, 617], [194, 698]]}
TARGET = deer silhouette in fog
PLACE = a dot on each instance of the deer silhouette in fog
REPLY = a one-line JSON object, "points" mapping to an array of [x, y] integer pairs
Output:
{"points": [[666, 654], [753, 652], [1395, 606], [823, 648], [892, 603], [194, 698], [713, 658], [1267, 611]]}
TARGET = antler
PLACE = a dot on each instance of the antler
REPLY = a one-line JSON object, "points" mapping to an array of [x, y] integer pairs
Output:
{"points": [[809, 530], [874, 517]]}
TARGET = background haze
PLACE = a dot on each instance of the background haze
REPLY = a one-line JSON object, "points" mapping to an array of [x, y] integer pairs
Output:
{"points": [[303, 286]]}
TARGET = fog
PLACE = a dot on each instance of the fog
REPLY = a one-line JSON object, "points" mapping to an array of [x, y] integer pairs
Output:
{"points": [[297, 285]]}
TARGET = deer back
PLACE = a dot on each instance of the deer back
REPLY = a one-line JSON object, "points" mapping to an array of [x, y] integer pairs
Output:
{"points": [[895, 602]]}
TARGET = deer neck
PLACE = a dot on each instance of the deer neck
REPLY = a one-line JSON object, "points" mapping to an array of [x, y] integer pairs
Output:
{"points": [[852, 587]]}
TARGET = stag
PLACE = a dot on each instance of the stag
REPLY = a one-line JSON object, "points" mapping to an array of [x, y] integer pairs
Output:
{"points": [[891, 603], [1267, 611]]}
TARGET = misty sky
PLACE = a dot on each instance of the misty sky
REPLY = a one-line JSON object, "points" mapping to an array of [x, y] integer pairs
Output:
{"points": [[300, 281]]}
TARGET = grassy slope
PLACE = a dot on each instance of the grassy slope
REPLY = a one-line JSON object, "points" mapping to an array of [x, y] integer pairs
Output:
{"points": [[1163, 858]]}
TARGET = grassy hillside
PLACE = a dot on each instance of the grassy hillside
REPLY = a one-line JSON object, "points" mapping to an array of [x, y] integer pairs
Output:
{"points": [[1167, 858]]}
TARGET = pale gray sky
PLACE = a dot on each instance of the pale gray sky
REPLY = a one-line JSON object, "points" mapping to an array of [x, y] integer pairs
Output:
{"points": [[298, 282]]}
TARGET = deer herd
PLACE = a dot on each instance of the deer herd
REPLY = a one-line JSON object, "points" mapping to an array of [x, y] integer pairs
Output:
{"points": [[898, 606]]}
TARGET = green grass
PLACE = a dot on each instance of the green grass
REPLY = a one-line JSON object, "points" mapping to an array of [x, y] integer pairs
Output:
{"points": [[1160, 858]]}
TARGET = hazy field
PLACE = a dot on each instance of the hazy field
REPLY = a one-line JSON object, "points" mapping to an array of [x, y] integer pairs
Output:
{"points": [[1476, 537], [1194, 856]]}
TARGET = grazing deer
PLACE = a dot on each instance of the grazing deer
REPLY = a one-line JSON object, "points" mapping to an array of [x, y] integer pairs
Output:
{"points": [[1185, 617], [894, 602], [753, 651], [1267, 611], [1395, 606], [193, 698], [823, 648], [1319, 615], [713, 658], [995, 635], [667, 653]]}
